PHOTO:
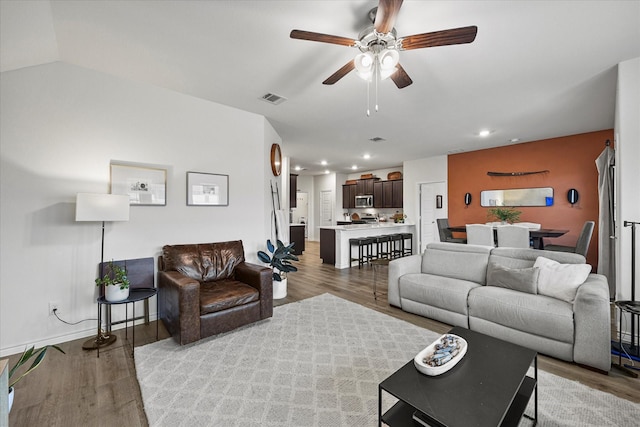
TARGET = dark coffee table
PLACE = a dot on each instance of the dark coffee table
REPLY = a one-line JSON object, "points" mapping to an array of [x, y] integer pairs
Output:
{"points": [[488, 387]]}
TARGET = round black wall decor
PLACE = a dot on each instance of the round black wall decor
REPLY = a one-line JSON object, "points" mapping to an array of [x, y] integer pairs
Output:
{"points": [[572, 196]]}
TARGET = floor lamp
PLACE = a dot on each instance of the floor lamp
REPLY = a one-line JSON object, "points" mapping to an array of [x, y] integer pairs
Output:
{"points": [[101, 208]]}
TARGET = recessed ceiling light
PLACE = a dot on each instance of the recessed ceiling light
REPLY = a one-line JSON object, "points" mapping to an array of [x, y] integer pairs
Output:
{"points": [[354, 167], [484, 133], [323, 163], [366, 156], [298, 168], [327, 171], [514, 140]]}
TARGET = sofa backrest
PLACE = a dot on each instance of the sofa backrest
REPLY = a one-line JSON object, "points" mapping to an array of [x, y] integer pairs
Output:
{"points": [[205, 262], [525, 258], [457, 261]]}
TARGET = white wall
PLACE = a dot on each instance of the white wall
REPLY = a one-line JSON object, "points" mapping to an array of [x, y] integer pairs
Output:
{"points": [[421, 171], [60, 127], [627, 145]]}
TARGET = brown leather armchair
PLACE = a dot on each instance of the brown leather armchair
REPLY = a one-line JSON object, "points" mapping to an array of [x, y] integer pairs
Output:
{"points": [[207, 289]]}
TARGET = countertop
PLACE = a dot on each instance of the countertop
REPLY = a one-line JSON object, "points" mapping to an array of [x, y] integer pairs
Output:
{"points": [[366, 226]]}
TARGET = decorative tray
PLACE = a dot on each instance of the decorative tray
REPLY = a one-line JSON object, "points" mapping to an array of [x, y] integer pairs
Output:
{"points": [[441, 355]]}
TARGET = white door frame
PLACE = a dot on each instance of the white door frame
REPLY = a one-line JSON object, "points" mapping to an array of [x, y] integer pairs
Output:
{"points": [[440, 188]]}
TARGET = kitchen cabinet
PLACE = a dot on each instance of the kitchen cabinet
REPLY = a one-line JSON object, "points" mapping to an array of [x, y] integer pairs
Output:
{"points": [[378, 194], [296, 236], [364, 187], [293, 191], [397, 194], [388, 194], [328, 246], [349, 196]]}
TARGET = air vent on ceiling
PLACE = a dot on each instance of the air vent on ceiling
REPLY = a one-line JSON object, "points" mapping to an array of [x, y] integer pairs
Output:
{"points": [[272, 98], [377, 139]]}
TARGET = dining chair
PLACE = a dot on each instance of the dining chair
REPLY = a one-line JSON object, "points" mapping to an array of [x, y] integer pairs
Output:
{"points": [[582, 244], [480, 234], [445, 234], [513, 236]]}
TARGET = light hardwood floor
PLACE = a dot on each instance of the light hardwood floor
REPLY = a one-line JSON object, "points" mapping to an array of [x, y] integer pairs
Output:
{"points": [[78, 389]]}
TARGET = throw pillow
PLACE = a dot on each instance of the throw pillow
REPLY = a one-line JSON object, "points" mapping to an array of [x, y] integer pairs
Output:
{"points": [[560, 281], [518, 279]]}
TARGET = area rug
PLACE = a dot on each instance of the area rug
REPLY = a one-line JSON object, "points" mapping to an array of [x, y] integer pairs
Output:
{"points": [[318, 362]]}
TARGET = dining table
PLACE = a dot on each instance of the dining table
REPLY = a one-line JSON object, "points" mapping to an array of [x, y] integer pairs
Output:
{"points": [[536, 235]]}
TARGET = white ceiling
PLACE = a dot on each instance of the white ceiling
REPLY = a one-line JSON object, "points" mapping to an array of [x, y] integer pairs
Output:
{"points": [[537, 69]]}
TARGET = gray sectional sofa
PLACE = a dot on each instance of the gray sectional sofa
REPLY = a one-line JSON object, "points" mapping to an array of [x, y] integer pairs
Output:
{"points": [[498, 292]]}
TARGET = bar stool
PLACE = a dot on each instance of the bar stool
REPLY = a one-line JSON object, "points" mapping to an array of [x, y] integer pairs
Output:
{"points": [[382, 246], [395, 246], [407, 249], [363, 244]]}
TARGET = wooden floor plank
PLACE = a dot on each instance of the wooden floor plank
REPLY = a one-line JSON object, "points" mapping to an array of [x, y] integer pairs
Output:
{"points": [[78, 389]]}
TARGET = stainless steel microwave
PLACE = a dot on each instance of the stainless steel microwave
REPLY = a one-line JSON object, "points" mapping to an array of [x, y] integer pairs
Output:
{"points": [[364, 201]]}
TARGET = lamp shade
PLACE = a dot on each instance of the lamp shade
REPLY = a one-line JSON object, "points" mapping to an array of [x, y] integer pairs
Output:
{"points": [[102, 207]]}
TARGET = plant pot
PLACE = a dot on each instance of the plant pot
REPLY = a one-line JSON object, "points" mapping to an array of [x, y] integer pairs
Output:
{"points": [[11, 390], [113, 293], [280, 289]]}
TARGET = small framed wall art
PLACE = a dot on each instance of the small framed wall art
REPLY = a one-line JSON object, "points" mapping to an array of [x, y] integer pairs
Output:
{"points": [[207, 189], [145, 186]]}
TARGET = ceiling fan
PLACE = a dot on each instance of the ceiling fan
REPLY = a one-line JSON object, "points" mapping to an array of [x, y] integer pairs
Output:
{"points": [[379, 45]]}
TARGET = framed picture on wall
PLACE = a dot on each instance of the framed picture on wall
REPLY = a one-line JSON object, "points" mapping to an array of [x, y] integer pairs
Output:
{"points": [[207, 189], [145, 186]]}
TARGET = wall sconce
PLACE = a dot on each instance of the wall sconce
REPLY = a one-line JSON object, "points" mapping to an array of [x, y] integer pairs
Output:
{"points": [[467, 199], [438, 201], [572, 196]]}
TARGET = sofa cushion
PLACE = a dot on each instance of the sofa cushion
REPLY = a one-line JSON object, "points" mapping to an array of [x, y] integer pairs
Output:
{"points": [[560, 280], [437, 291], [204, 262], [223, 294], [535, 314], [523, 258], [456, 261], [518, 279]]}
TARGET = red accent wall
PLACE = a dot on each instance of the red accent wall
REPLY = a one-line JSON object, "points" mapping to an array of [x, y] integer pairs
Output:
{"points": [[570, 161]]}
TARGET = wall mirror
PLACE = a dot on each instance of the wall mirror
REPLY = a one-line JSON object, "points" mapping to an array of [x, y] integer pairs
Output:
{"points": [[517, 197]]}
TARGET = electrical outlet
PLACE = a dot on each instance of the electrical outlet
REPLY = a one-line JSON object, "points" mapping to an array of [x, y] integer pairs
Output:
{"points": [[52, 306]]}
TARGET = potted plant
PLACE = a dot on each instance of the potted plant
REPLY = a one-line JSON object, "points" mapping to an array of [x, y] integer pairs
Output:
{"points": [[280, 262], [504, 215], [116, 283], [26, 355]]}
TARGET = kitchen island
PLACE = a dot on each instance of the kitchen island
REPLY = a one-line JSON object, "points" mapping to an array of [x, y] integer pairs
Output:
{"points": [[334, 240]]}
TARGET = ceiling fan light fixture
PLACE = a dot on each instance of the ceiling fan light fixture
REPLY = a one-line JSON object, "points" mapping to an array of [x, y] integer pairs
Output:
{"points": [[364, 63], [389, 59]]}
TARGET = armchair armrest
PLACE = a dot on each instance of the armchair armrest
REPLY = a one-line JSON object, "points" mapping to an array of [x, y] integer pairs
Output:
{"points": [[398, 268], [180, 305], [261, 278], [592, 317]]}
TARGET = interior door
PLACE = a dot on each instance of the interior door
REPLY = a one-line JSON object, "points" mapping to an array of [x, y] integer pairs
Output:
{"points": [[326, 208], [429, 212], [301, 211]]}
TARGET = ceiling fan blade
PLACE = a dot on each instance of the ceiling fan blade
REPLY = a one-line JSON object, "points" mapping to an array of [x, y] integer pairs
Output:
{"points": [[401, 78], [324, 38], [346, 68], [386, 15], [440, 38]]}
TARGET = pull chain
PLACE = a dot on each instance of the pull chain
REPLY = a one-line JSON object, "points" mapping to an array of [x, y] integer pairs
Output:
{"points": [[368, 101]]}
